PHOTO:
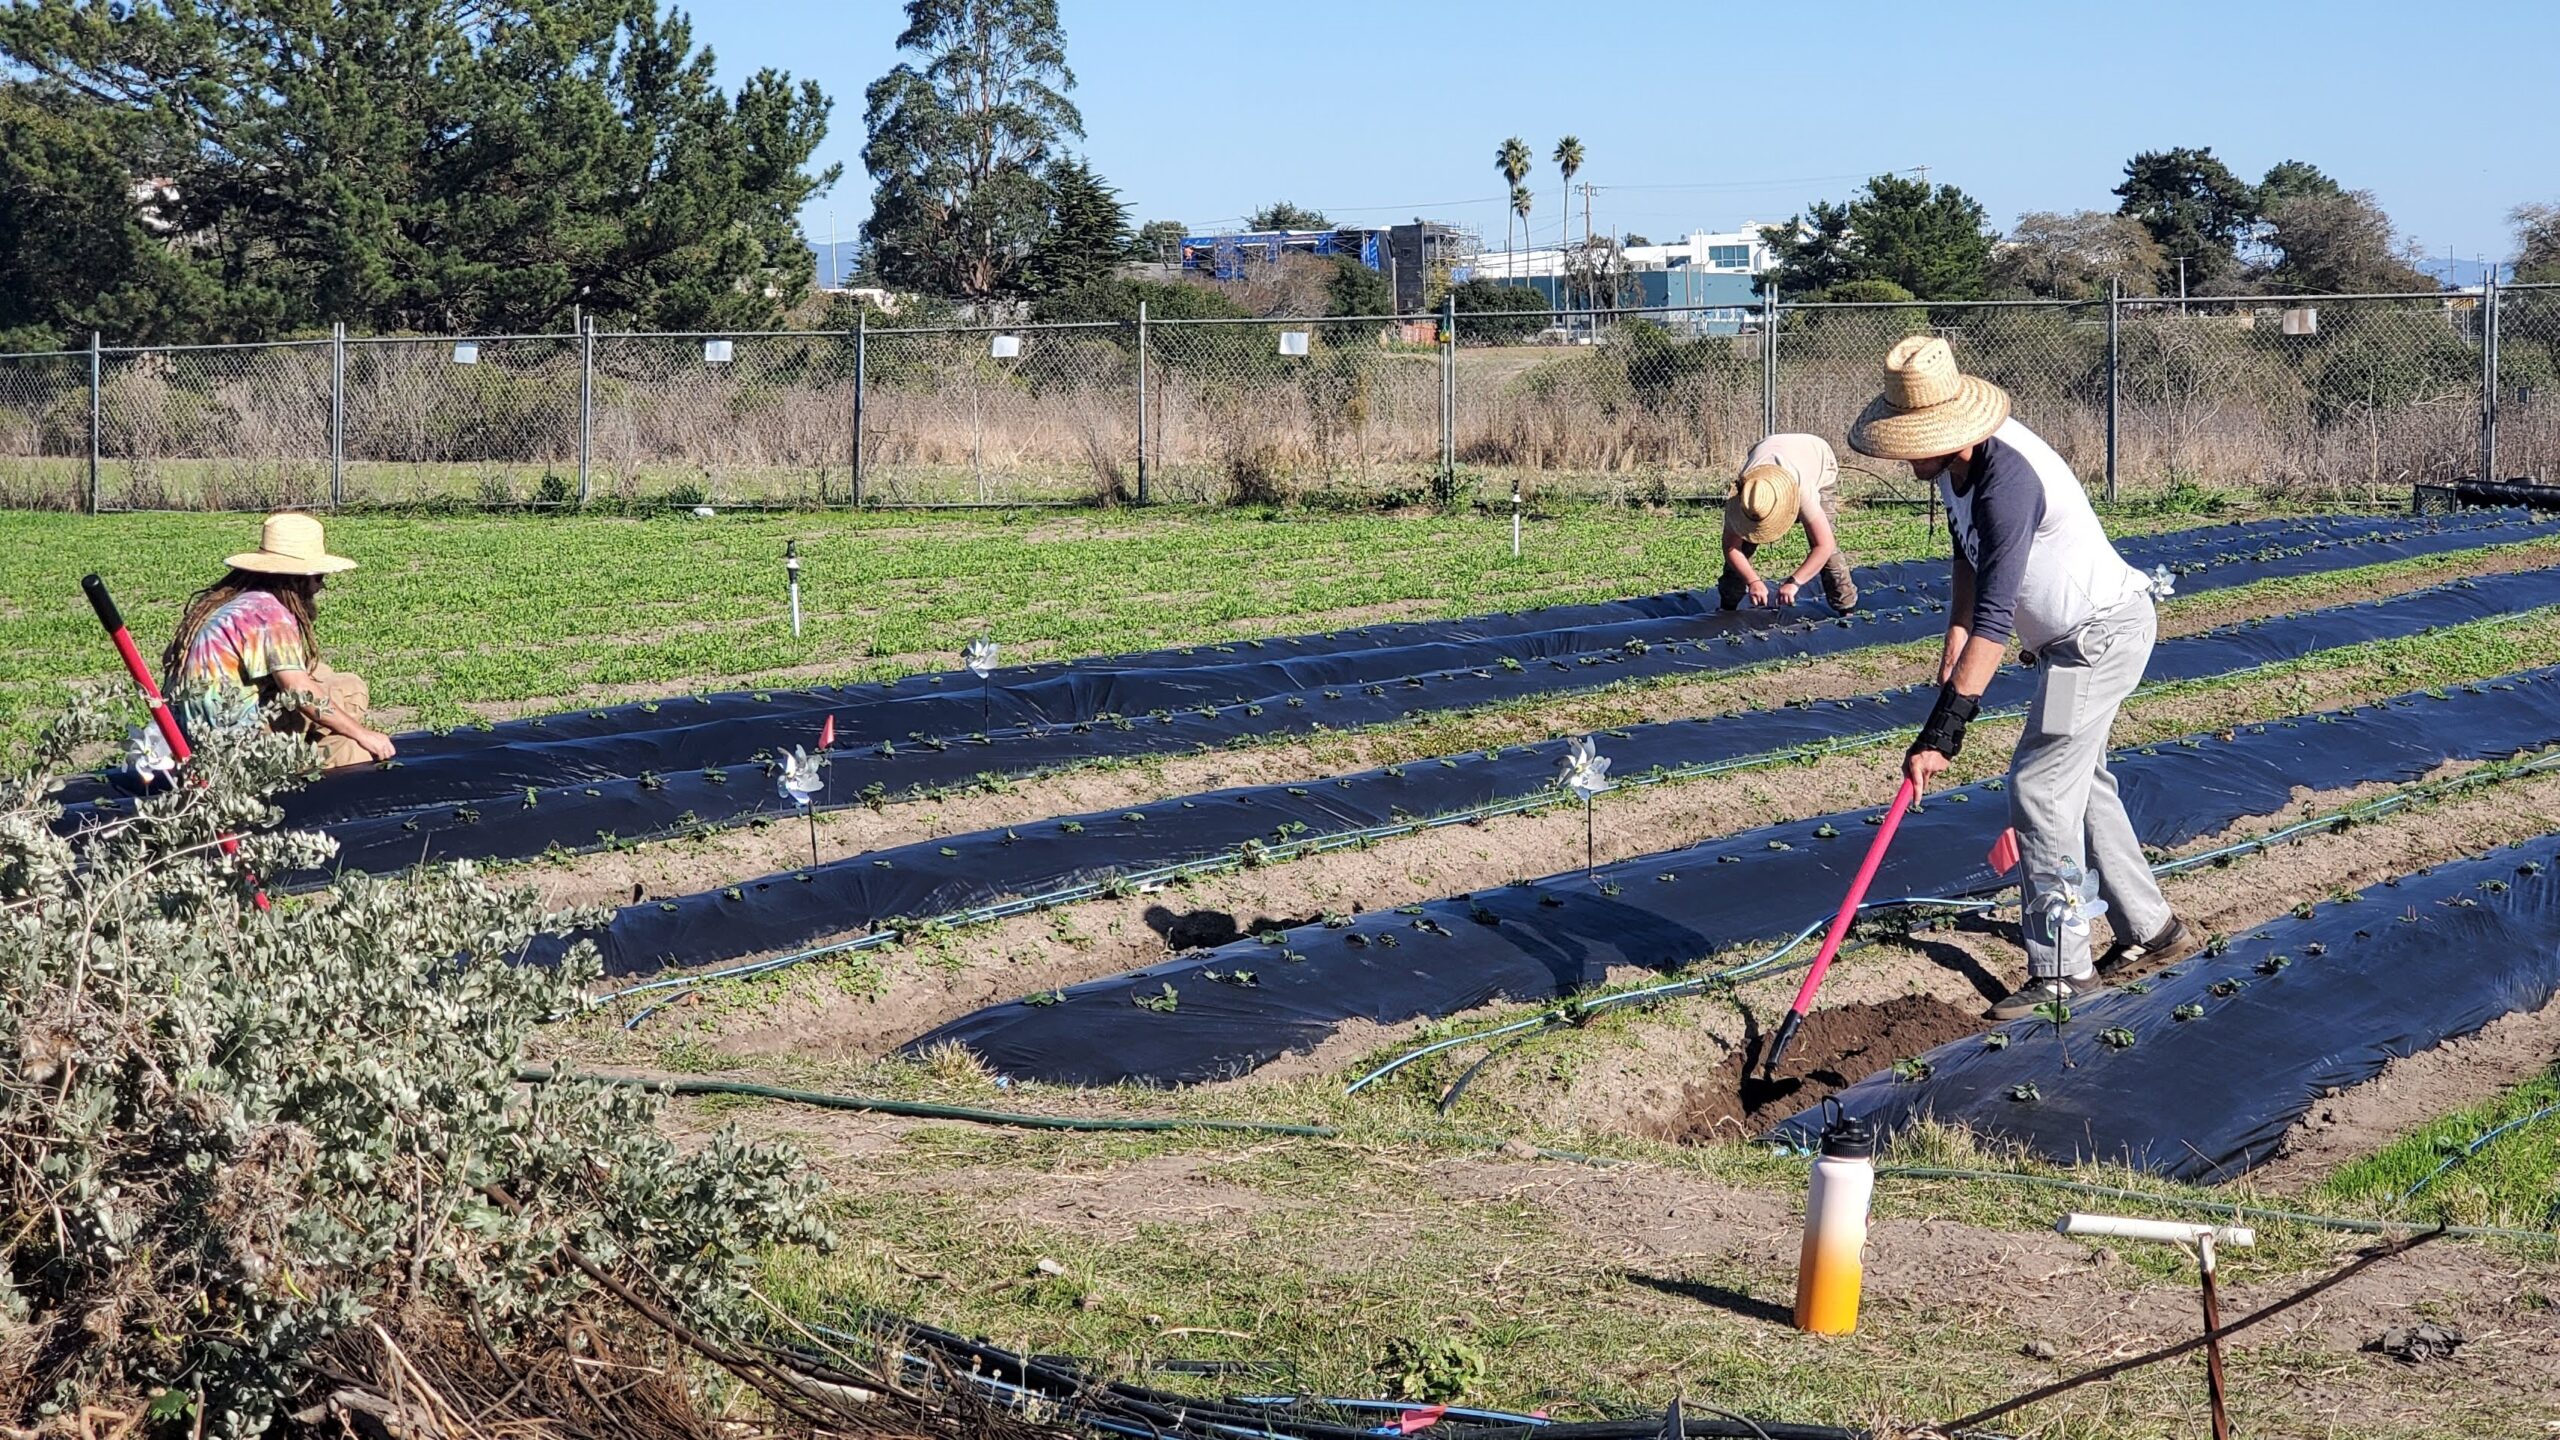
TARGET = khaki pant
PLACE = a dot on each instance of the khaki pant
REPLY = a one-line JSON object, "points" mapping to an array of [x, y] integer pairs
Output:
{"points": [[343, 695], [2062, 796], [1837, 586]]}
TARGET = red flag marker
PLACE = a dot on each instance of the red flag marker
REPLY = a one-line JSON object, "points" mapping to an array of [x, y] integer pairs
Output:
{"points": [[827, 733], [2004, 853]]}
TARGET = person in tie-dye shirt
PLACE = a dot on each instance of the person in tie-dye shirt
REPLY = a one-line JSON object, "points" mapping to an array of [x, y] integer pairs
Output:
{"points": [[246, 640]]}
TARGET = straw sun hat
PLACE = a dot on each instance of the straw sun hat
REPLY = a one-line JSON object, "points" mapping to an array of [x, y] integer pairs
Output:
{"points": [[1763, 504], [291, 544], [1928, 408]]}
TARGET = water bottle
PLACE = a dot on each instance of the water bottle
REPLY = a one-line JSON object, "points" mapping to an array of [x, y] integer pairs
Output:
{"points": [[1832, 1266]]}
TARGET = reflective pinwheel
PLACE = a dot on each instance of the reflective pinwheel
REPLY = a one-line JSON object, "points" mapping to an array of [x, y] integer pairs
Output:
{"points": [[2164, 582], [2069, 900], [146, 753], [800, 778], [1585, 772], [800, 781], [980, 656]]}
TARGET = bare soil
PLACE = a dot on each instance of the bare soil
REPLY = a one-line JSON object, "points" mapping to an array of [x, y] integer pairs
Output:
{"points": [[1838, 1046]]}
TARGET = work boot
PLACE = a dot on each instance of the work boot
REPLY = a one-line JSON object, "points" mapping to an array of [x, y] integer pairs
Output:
{"points": [[2174, 943], [2045, 990]]}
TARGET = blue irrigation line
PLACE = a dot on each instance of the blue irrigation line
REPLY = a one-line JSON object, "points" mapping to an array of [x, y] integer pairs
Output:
{"points": [[2478, 1143]]}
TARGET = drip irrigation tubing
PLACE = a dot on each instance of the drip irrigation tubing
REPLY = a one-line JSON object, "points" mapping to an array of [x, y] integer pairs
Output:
{"points": [[2226, 1209], [1015, 1119], [2477, 1144], [992, 874], [1110, 1124], [584, 792], [1543, 939]]}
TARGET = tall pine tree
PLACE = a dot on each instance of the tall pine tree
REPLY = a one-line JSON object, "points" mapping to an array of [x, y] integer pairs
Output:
{"points": [[1088, 232], [414, 165]]}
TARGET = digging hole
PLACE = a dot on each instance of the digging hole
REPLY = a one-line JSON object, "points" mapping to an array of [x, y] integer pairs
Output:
{"points": [[1838, 1046]]}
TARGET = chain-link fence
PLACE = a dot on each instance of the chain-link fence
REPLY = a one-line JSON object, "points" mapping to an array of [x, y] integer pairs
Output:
{"points": [[2326, 396], [2525, 416]]}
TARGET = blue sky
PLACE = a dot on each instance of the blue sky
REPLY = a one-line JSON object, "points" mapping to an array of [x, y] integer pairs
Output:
{"points": [[1702, 117]]}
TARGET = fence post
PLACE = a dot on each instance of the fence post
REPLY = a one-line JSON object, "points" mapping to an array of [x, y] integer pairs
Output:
{"points": [[1769, 359], [2115, 374], [861, 361], [95, 417], [586, 407], [2489, 377], [1143, 477], [336, 413], [1449, 395]]}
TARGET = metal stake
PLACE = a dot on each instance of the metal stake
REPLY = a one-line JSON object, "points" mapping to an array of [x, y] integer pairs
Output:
{"points": [[1515, 519], [1449, 396], [1769, 359], [338, 414], [586, 405], [96, 420], [2213, 1336], [1142, 403], [2489, 377], [2115, 374], [861, 355]]}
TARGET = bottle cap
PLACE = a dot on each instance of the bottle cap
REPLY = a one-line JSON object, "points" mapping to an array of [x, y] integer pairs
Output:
{"points": [[1847, 1137]]}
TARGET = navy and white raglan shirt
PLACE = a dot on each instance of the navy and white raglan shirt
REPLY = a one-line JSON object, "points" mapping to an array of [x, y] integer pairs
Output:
{"points": [[2042, 567]]}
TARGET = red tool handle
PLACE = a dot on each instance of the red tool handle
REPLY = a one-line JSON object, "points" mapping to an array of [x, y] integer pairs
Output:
{"points": [[1840, 923], [113, 619]]}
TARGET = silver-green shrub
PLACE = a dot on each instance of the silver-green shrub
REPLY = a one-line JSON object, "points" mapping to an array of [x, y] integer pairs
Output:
{"points": [[228, 1134]]}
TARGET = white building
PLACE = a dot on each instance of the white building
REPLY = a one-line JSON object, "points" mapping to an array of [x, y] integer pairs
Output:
{"points": [[1727, 252]]}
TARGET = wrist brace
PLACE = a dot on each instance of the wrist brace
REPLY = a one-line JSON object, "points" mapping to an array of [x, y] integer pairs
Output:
{"points": [[1943, 731]]}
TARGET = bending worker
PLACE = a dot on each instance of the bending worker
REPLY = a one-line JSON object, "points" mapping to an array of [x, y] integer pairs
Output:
{"points": [[245, 640], [2030, 560], [1786, 478]]}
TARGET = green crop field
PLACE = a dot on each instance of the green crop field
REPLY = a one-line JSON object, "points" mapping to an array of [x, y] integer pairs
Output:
{"points": [[453, 612]]}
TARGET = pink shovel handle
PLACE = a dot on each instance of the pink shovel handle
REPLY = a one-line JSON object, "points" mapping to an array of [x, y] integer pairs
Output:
{"points": [[1902, 799]]}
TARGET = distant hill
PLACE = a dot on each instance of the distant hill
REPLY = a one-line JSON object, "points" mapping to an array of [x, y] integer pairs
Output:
{"points": [[2462, 274]]}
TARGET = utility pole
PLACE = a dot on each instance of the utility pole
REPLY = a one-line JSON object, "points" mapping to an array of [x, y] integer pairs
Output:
{"points": [[2182, 284]]}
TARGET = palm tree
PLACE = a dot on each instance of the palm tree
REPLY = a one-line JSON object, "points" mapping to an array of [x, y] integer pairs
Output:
{"points": [[1512, 159], [1568, 158], [1520, 207]]}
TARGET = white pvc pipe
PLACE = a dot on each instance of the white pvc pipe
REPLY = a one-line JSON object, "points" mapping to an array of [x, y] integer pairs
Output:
{"points": [[2172, 1232]]}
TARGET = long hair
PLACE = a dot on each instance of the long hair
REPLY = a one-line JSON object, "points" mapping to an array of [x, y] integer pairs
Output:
{"points": [[296, 593]]}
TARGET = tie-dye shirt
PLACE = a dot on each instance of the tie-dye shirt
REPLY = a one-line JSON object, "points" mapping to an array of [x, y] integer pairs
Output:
{"points": [[245, 641]]}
